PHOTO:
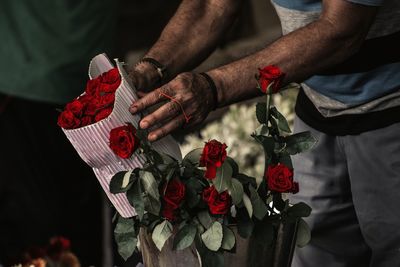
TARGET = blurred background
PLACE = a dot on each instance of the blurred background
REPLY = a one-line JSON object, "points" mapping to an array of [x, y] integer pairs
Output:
{"points": [[49, 199]]}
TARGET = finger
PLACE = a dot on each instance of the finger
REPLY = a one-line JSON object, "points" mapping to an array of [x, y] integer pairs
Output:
{"points": [[165, 112], [146, 101], [169, 127], [141, 94]]}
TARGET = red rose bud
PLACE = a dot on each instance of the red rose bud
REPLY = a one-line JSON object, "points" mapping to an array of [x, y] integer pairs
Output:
{"points": [[123, 141], [174, 193], [67, 120], [270, 74], [212, 157], [92, 86], [218, 203], [280, 179], [104, 113], [76, 107]]}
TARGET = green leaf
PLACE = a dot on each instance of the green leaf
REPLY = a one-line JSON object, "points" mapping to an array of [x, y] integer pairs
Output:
{"points": [[285, 159], [303, 233], [267, 142], [122, 181], [135, 198], [205, 219], [150, 185], [299, 142], [193, 189], [209, 258], [234, 166], [170, 174], [236, 191], [152, 205], [262, 130], [259, 207], [125, 237], [300, 209], [167, 159], [194, 156], [261, 112], [283, 125], [223, 179], [228, 240], [245, 179], [161, 233], [212, 238], [247, 204], [185, 237]]}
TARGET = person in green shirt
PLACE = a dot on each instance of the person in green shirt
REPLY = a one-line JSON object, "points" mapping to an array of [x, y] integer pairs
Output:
{"points": [[45, 189]]}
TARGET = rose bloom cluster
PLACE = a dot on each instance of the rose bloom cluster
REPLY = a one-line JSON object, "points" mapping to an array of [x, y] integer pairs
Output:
{"points": [[213, 156], [95, 104], [280, 179], [123, 140]]}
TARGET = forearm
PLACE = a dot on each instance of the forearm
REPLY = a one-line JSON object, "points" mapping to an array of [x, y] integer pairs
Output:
{"points": [[299, 54], [193, 33]]}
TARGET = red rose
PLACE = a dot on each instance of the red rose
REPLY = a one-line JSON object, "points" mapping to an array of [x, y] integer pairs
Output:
{"points": [[93, 107], [268, 75], [86, 120], [58, 245], [168, 213], [92, 86], [76, 107], [108, 88], [111, 77], [106, 100], [67, 120], [110, 81], [174, 193], [85, 99], [123, 140], [218, 203], [104, 113], [213, 156], [280, 179]]}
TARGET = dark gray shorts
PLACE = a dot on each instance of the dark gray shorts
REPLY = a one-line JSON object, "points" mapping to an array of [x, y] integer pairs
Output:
{"points": [[353, 185]]}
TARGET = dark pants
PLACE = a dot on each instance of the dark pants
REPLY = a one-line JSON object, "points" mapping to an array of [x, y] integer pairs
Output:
{"points": [[45, 188], [352, 183]]}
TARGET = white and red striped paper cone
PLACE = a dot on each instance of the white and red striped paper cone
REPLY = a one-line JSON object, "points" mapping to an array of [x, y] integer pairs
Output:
{"points": [[92, 141]]}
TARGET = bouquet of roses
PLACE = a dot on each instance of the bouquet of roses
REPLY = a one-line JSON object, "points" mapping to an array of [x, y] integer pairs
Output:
{"points": [[197, 200], [98, 122]]}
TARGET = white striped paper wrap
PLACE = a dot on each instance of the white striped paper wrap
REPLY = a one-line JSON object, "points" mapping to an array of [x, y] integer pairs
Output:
{"points": [[92, 141]]}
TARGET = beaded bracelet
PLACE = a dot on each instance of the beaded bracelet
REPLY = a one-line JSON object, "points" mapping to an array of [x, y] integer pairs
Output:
{"points": [[212, 87]]}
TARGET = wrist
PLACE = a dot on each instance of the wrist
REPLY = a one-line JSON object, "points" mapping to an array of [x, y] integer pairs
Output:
{"points": [[219, 86], [145, 76], [213, 91]]}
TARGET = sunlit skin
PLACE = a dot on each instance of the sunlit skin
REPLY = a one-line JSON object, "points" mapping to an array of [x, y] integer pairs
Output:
{"points": [[196, 29]]}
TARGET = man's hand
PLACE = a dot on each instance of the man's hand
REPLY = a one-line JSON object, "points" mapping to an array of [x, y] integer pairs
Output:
{"points": [[188, 102]]}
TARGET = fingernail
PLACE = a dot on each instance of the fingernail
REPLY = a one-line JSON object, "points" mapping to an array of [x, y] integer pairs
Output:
{"points": [[152, 137], [133, 109], [144, 124]]}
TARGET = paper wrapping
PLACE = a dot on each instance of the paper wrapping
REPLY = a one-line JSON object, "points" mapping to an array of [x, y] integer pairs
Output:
{"points": [[92, 141]]}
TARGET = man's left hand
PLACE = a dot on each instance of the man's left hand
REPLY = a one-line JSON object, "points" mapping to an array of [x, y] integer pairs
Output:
{"points": [[189, 101]]}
